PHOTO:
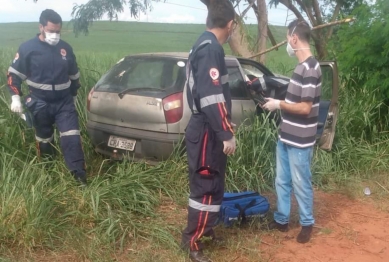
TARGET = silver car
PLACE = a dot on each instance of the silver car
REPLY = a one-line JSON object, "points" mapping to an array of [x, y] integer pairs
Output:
{"points": [[138, 109]]}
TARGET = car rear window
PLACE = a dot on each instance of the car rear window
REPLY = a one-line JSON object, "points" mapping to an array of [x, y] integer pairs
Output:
{"points": [[163, 74]]}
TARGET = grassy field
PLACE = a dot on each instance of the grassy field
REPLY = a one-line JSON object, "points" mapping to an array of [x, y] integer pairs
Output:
{"points": [[132, 211], [123, 38]]}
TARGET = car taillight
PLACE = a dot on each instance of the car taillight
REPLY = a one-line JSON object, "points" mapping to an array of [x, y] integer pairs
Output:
{"points": [[173, 108], [89, 99]]}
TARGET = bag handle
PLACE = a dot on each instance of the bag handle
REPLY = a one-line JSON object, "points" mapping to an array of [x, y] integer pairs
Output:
{"points": [[242, 215]]}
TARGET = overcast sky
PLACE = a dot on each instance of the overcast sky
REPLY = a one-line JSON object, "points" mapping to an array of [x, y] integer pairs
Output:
{"points": [[172, 11]]}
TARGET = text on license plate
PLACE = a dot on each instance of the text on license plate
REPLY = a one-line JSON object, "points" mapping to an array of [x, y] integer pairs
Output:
{"points": [[121, 143]]}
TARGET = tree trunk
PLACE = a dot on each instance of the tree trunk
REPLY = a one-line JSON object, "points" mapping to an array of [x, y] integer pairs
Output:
{"points": [[262, 28], [238, 42], [320, 45]]}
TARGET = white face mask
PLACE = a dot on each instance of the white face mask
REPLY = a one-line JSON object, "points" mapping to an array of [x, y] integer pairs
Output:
{"points": [[290, 50], [52, 38]]}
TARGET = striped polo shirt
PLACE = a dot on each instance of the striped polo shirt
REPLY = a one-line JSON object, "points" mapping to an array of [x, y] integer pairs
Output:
{"points": [[305, 86]]}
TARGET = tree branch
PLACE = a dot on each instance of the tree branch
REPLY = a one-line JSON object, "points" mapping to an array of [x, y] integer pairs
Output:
{"points": [[292, 8], [270, 49], [308, 11], [334, 16], [316, 7], [247, 9], [347, 20]]}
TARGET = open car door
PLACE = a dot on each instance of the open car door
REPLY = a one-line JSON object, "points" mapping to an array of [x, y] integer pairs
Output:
{"points": [[329, 108], [328, 111]]}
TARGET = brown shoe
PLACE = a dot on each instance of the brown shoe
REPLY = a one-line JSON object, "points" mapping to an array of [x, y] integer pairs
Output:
{"points": [[198, 256], [275, 225], [305, 234]]}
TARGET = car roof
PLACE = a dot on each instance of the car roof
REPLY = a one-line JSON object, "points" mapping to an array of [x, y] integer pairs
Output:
{"points": [[180, 55]]}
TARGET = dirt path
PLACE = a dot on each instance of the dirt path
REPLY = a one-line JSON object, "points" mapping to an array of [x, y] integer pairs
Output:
{"points": [[347, 230]]}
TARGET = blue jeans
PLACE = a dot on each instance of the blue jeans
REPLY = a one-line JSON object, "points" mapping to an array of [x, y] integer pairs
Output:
{"points": [[294, 171]]}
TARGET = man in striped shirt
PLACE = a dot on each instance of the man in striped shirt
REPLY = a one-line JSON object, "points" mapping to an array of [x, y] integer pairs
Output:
{"points": [[297, 134]]}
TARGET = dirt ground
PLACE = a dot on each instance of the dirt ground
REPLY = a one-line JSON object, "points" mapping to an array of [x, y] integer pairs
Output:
{"points": [[347, 230]]}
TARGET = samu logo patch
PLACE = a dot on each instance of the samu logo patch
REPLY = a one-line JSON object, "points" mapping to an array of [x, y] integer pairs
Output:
{"points": [[63, 53]]}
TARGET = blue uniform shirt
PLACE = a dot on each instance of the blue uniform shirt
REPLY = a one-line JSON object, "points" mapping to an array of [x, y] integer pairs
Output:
{"points": [[208, 91], [50, 72]]}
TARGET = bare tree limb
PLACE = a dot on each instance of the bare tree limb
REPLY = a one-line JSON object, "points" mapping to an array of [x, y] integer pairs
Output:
{"points": [[308, 11], [270, 49], [334, 16], [347, 20], [247, 9], [262, 27], [316, 7], [292, 8], [271, 36]]}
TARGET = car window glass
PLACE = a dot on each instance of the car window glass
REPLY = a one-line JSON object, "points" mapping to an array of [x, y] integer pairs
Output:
{"points": [[327, 81], [251, 71], [145, 74], [236, 83], [164, 74]]}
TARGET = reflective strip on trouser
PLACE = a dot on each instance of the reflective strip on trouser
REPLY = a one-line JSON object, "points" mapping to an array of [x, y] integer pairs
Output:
{"points": [[70, 133], [44, 140], [203, 207], [64, 115], [45, 146], [206, 189]]}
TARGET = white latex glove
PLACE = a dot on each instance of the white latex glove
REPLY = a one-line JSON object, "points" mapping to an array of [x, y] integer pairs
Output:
{"points": [[229, 146], [272, 104], [75, 99], [16, 105]]}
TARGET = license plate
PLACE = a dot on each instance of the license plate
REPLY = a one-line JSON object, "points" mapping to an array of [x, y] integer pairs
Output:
{"points": [[121, 143]]}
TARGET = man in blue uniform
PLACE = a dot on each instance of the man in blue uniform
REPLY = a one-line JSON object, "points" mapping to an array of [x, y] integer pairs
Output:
{"points": [[209, 135], [48, 65]]}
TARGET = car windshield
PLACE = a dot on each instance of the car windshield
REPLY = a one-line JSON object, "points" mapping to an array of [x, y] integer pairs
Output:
{"points": [[163, 74]]}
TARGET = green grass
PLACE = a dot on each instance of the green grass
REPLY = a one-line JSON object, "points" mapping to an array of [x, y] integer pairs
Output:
{"points": [[42, 212], [124, 38]]}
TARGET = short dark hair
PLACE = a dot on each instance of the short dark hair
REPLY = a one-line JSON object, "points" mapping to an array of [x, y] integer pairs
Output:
{"points": [[50, 15], [220, 13], [301, 29]]}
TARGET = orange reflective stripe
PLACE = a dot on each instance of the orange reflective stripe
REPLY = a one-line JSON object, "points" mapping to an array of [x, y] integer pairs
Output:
{"points": [[221, 115], [225, 119], [11, 85], [204, 148], [206, 219], [193, 241]]}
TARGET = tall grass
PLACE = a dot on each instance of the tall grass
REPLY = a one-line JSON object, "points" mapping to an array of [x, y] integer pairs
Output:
{"points": [[42, 209]]}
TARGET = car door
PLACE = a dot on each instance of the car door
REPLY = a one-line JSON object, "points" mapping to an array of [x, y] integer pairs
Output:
{"points": [[242, 104], [329, 107], [328, 111]]}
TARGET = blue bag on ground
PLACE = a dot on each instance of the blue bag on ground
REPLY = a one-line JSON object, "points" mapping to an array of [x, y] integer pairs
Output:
{"points": [[238, 207]]}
